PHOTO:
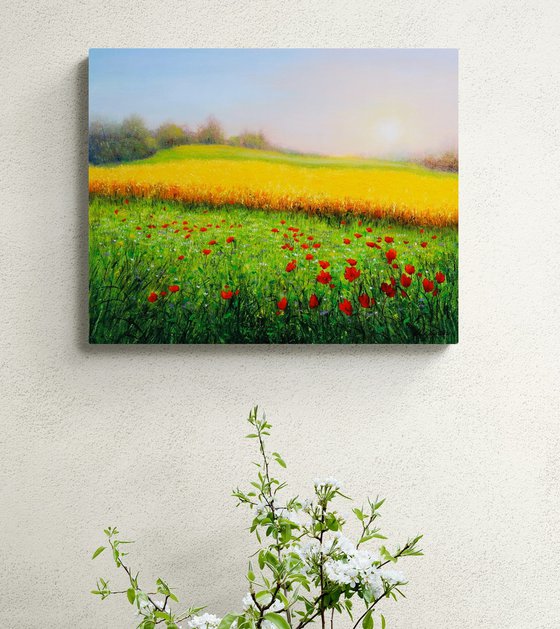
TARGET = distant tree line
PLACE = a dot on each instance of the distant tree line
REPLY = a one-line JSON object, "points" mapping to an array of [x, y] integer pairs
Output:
{"points": [[448, 162], [131, 139]]}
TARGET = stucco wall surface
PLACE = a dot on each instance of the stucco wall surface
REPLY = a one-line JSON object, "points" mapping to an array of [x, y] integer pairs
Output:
{"points": [[464, 441]]}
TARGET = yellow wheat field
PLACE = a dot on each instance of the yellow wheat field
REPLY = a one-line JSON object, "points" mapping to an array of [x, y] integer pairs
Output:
{"points": [[195, 175]]}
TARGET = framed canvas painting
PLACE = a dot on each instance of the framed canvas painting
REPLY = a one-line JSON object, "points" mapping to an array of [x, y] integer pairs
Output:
{"points": [[273, 196]]}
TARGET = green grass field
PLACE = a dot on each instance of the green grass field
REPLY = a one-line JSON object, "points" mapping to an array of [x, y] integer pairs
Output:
{"points": [[234, 153], [152, 282]]}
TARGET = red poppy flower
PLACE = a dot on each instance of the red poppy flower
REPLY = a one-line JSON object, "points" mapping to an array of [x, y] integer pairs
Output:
{"points": [[406, 281], [152, 297], [345, 307], [409, 269], [324, 277], [390, 255], [116, 211], [291, 266], [428, 285], [423, 244], [440, 277], [357, 235], [434, 237], [282, 304], [360, 223], [316, 245], [165, 226], [174, 288], [187, 236], [343, 222], [404, 293], [226, 294], [163, 293], [181, 258], [126, 201], [212, 242], [313, 301], [203, 229], [275, 230], [406, 242], [324, 264], [388, 289], [346, 241], [369, 230], [207, 252], [331, 286], [309, 256], [310, 238], [305, 246], [351, 273], [395, 266], [389, 239], [435, 292], [422, 231], [230, 239], [148, 235], [351, 261], [364, 301], [282, 222]]}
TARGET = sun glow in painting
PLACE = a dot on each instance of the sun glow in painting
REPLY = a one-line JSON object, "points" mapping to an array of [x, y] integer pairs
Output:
{"points": [[273, 196]]}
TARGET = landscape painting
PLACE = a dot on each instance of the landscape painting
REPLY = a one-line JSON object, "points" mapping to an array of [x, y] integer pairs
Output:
{"points": [[273, 196]]}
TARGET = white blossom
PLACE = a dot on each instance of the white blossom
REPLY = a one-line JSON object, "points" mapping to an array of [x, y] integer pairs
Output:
{"points": [[330, 482], [359, 568], [249, 603], [392, 576], [206, 621]]}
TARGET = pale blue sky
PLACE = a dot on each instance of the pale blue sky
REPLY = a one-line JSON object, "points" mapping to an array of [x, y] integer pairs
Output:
{"points": [[380, 102]]}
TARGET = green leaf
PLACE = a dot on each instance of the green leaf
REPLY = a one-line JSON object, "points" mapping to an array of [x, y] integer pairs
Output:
{"points": [[383, 623], [279, 459], [367, 622], [131, 595], [98, 551], [386, 554], [227, 621], [358, 513], [366, 538], [278, 621]]}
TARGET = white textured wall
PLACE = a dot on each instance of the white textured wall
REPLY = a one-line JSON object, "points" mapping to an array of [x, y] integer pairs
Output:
{"points": [[464, 441]]}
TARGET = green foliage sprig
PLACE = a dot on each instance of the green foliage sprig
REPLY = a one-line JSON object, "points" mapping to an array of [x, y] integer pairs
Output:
{"points": [[305, 570]]}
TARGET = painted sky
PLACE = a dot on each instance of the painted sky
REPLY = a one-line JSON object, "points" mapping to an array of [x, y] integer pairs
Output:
{"points": [[377, 102]]}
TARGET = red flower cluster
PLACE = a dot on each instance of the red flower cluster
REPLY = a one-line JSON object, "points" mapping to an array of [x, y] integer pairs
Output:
{"points": [[351, 273], [366, 301], [324, 277], [346, 307]]}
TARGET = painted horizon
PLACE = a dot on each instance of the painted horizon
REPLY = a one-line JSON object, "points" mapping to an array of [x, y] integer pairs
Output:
{"points": [[273, 196]]}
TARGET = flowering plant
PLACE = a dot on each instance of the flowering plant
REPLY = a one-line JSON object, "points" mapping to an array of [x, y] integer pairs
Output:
{"points": [[305, 570]]}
